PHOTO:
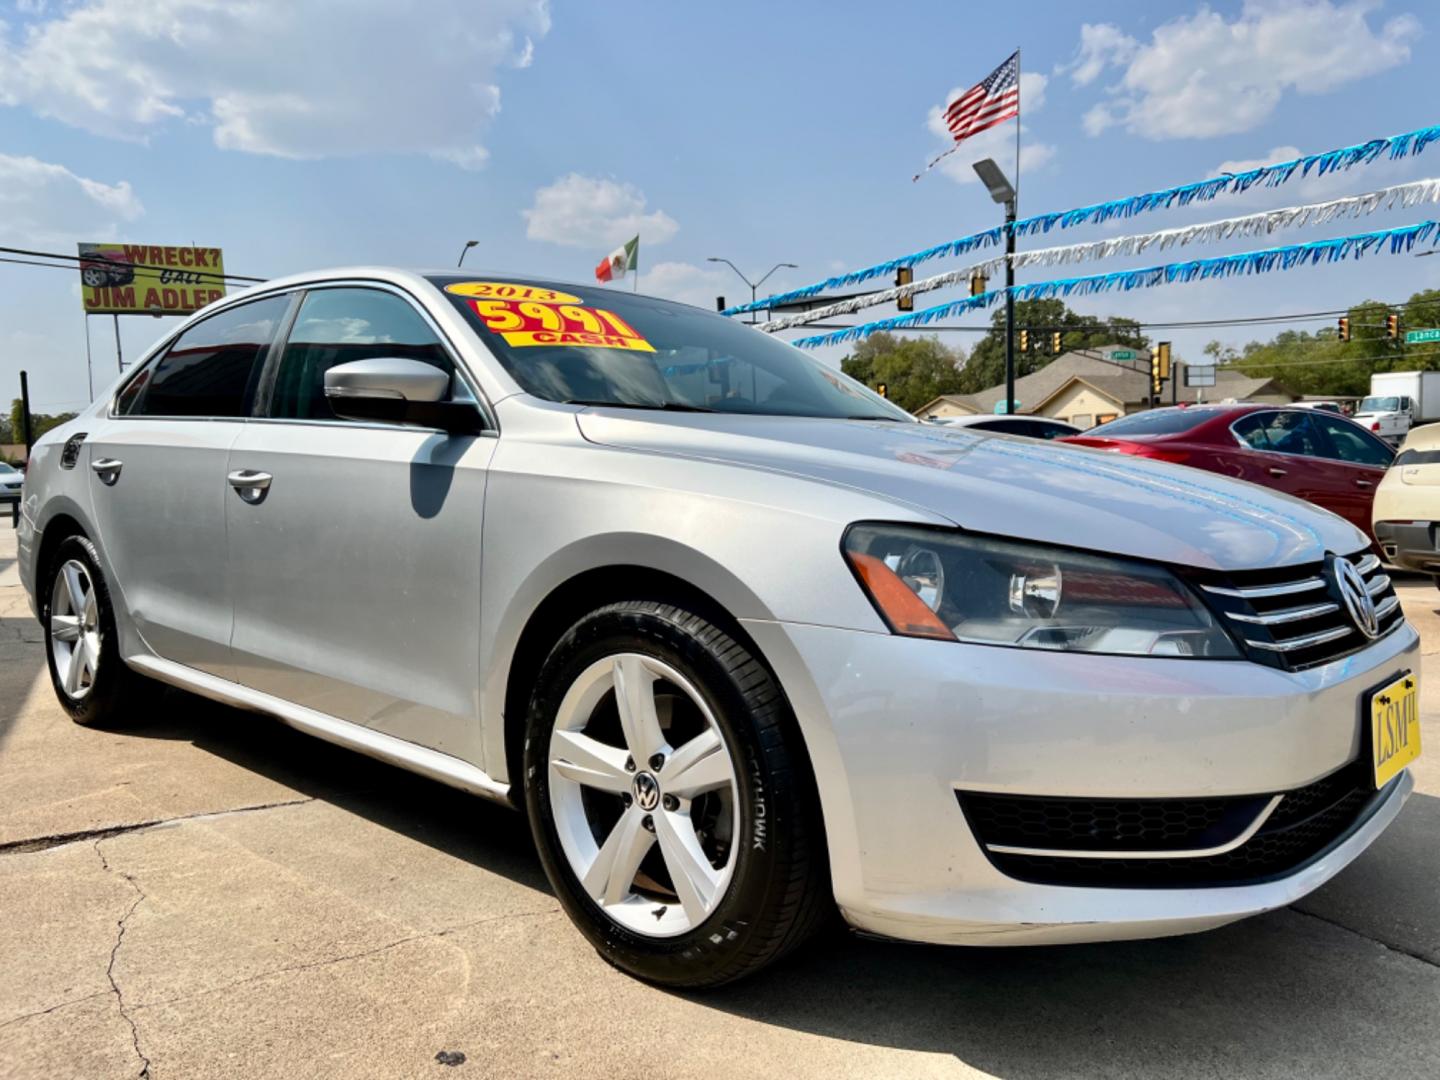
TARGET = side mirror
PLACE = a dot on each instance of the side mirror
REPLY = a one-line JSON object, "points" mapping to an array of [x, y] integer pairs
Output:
{"points": [[398, 391]]}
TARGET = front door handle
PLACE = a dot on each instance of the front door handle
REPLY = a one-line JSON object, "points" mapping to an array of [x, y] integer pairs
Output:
{"points": [[108, 470], [1364, 483], [250, 485], [1274, 471]]}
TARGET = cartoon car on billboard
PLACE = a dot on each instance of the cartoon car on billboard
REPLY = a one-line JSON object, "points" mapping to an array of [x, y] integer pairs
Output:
{"points": [[98, 269]]}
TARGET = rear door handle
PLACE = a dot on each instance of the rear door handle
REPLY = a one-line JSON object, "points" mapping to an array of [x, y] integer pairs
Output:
{"points": [[1364, 483], [1274, 471], [108, 470], [250, 485]]}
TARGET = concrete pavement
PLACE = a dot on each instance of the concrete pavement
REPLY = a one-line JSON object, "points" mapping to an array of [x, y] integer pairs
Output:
{"points": [[208, 893]]}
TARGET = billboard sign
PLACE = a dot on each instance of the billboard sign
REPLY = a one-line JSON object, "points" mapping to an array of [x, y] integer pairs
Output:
{"points": [[1200, 375], [149, 279]]}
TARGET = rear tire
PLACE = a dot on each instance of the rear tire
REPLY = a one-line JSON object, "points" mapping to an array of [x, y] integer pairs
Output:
{"points": [[82, 648], [723, 777]]}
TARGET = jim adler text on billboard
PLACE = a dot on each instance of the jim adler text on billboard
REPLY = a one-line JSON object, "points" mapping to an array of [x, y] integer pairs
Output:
{"points": [[149, 279]]}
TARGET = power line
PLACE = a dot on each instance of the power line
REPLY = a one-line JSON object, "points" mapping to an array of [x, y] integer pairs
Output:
{"points": [[86, 258], [1131, 324]]}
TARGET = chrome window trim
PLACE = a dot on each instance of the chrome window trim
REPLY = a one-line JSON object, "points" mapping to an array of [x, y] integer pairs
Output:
{"points": [[482, 403], [1182, 853]]}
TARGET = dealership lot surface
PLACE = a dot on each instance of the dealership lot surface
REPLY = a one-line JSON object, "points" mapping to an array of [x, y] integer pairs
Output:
{"points": [[210, 894]]}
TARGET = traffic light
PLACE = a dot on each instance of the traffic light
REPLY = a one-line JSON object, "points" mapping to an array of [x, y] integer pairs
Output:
{"points": [[1392, 326], [1155, 379], [882, 390], [1024, 340], [978, 283], [1162, 359], [904, 275], [1344, 328], [1055, 342]]}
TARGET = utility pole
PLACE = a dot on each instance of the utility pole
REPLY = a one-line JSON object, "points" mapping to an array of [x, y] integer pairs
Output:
{"points": [[25, 414]]}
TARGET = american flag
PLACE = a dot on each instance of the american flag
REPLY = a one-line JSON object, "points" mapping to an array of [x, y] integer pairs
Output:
{"points": [[993, 100]]}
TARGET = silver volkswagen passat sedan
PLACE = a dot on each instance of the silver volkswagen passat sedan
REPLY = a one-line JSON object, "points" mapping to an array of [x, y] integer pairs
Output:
{"points": [[746, 642]]}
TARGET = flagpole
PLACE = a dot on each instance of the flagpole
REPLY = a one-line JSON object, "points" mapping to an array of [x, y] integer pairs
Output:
{"points": [[1019, 104]]}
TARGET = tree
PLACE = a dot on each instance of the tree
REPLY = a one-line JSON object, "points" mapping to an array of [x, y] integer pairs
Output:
{"points": [[987, 363], [39, 422], [1320, 363], [914, 370]]}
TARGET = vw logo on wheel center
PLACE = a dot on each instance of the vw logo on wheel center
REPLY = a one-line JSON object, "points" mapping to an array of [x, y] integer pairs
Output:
{"points": [[1356, 595], [647, 791]]}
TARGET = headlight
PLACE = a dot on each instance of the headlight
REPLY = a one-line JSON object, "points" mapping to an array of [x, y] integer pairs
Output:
{"points": [[949, 585]]}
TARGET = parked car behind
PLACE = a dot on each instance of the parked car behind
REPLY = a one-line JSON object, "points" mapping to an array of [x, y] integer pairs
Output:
{"points": [[1406, 512], [1309, 453], [11, 481], [1032, 427]]}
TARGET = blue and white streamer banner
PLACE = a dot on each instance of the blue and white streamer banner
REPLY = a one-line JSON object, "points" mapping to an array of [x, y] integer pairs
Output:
{"points": [[1395, 146], [1392, 241], [1265, 222]]}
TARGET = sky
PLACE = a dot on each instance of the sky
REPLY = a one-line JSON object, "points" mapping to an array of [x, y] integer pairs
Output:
{"points": [[297, 136]]}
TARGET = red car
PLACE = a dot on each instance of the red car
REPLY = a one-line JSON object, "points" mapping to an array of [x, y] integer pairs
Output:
{"points": [[1314, 455]]}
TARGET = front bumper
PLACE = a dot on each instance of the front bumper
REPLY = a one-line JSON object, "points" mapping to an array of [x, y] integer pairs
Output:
{"points": [[1411, 545], [896, 726]]}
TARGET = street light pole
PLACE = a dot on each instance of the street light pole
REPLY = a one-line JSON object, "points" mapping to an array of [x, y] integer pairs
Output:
{"points": [[1003, 192], [464, 251], [754, 285]]}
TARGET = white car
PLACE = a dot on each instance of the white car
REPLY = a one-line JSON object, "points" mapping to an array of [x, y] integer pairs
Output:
{"points": [[1032, 427], [11, 482], [747, 642]]}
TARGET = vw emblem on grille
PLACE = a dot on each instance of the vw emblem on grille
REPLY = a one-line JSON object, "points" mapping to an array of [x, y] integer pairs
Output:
{"points": [[647, 791], [1357, 597]]}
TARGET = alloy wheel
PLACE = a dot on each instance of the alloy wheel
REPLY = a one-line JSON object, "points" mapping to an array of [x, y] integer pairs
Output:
{"points": [[75, 629], [644, 795]]}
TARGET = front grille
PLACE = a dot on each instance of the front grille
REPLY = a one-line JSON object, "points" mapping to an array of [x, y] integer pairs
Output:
{"points": [[1304, 823], [1110, 824], [1295, 617]]}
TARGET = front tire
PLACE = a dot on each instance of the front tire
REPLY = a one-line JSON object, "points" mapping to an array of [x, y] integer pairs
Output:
{"points": [[669, 797], [82, 647]]}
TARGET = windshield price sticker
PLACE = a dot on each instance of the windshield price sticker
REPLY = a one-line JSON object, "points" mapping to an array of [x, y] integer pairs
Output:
{"points": [[502, 290], [529, 322]]}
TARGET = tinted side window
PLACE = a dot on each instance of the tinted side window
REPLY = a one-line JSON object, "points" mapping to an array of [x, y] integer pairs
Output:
{"points": [[1251, 430], [336, 326], [212, 369], [1349, 443], [1292, 433]]}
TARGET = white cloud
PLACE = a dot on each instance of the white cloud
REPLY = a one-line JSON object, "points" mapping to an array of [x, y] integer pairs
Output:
{"points": [[1202, 75], [589, 211], [691, 284], [44, 203], [1274, 157], [998, 142], [1101, 45], [276, 77]]}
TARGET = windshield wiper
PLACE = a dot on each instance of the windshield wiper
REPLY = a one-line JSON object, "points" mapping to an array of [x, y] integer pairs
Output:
{"points": [[663, 406]]}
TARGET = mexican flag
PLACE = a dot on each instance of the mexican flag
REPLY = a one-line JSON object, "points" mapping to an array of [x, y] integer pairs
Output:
{"points": [[625, 257]]}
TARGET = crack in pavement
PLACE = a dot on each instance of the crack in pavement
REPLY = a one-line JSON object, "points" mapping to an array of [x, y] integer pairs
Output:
{"points": [[44, 843], [351, 956], [144, 1072], [1366, 937], [52, 1008]]}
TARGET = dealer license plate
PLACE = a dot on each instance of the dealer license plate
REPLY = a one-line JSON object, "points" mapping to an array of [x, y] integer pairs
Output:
{"points": [[1394, 727]]}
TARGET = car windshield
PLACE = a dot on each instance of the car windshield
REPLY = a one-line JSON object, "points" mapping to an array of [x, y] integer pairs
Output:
{"points": [[5, 467], [1380, 404], [599, 346], [1155, 422]]}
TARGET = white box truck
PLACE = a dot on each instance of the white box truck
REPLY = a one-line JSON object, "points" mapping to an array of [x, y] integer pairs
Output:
{"points": [[1398, 401]]}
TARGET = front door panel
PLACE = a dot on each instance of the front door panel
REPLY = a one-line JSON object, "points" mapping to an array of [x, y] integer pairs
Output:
{"points": [[357, 575]]}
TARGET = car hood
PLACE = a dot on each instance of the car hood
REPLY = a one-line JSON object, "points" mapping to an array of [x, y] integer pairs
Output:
{"points": [[1022, 488]]}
